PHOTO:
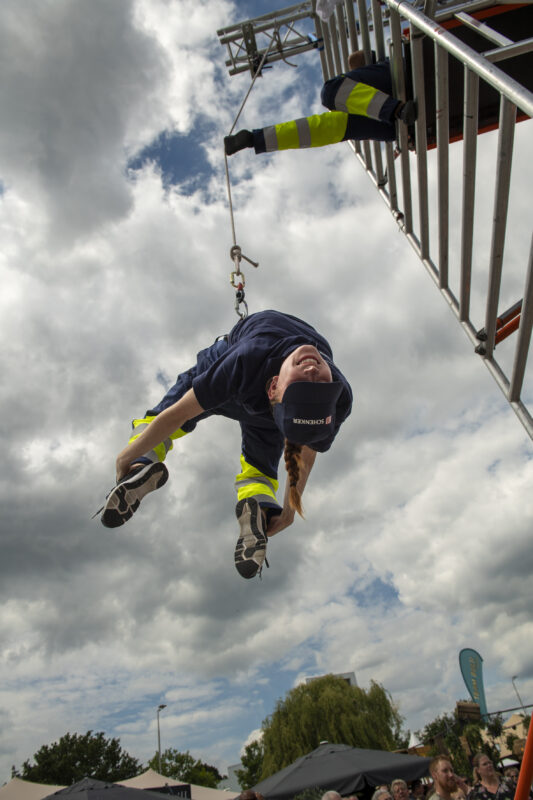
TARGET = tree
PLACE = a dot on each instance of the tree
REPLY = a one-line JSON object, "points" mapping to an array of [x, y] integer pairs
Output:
{"points": [[74, 757], [315, 793], [183, 767], [252, 762], [461, 739], [495, 726], [330, 709]]}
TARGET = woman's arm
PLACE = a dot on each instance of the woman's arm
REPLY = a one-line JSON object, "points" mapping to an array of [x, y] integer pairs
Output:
{"points": [[167, 422], [286, 517]]}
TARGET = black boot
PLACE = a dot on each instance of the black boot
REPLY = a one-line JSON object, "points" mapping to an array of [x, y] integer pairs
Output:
{"points": [[232, 144], [407, 112]]}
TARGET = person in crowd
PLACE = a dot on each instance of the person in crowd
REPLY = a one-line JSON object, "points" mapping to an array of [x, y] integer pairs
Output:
{"points": [[361, 107], [512, 773], [445, 781], [382, 793], [489, 784], [417, 790], [331, 795], [399, 789]]}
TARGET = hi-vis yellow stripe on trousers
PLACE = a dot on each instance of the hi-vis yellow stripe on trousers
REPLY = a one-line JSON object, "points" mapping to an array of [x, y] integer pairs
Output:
{"points": [[253, 483], [355, 97], [314, 131], [160, 450]]}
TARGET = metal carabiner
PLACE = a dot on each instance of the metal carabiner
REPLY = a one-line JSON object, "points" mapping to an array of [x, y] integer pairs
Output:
{"points": [[239, 299], [241, 282], [238, 280]]}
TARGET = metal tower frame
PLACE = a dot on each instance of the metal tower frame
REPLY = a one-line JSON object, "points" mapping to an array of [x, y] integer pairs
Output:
{"points": [[275, 33], [403, 24]]}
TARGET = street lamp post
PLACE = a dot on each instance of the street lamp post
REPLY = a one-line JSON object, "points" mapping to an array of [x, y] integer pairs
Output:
{"points": [[159, 709], [516, 690]]}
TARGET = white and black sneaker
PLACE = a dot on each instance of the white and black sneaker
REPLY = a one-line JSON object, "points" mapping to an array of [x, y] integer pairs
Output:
{"points": [[250, 551], [125, 498]]}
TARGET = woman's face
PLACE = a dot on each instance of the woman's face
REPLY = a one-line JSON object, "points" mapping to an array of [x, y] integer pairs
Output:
{"points": [[485, 767], [303, 364]]}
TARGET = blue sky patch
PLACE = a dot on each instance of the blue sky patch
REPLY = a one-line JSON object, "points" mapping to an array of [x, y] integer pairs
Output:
{"points": [[377, 593], [180, 158]]}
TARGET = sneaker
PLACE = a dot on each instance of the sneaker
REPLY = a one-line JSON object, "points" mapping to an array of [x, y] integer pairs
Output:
{"points": [[239, 141], [250, 551], [125, 498]]}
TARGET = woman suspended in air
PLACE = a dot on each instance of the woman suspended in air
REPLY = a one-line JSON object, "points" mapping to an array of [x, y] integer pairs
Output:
{"points": [[274, 374]]}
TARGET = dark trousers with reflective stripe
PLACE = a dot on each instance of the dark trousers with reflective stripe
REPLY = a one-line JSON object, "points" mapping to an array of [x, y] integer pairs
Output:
{"points": [[361, 108], [250, 482]]}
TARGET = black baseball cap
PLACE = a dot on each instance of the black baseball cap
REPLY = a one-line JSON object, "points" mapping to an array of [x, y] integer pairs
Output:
{"points": [[306, 413]]}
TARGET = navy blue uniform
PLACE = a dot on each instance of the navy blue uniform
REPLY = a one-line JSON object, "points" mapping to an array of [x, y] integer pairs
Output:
{"points": [[230, 379]]}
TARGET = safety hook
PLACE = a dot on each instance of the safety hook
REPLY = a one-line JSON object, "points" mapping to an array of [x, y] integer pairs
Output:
{"points": [[239, 300]]}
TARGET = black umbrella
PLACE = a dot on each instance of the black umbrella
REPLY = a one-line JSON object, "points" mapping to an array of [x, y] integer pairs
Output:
{"points": [[91, 789], [342, 768]]}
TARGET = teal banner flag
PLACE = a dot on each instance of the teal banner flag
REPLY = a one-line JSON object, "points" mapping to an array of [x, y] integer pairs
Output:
{"points": [[471, 665]]}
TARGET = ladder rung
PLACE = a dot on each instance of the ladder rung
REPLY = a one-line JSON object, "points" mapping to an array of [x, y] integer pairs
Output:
{"points": [[507, 330], [483, 29], [509, 51]]}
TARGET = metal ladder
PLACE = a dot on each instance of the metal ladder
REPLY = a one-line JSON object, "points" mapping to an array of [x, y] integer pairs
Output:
{"points": [[403, 176]]}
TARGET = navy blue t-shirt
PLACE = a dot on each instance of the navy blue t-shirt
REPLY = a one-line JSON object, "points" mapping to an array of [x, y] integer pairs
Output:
{"points": [[235, 385]]}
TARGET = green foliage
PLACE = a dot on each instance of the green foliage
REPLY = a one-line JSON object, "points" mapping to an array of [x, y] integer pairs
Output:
{"points": [[183, 767], [310, 794], [252, 762], [456, 737], [329, 709], [495, 726], [75, 757]]}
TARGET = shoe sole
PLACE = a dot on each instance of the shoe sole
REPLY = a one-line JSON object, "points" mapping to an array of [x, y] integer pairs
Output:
{"points": [[250, 550], [125, 498]]}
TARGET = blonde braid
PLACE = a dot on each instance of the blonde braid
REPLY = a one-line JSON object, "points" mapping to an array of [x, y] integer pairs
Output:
{"points": [[293, 459]]}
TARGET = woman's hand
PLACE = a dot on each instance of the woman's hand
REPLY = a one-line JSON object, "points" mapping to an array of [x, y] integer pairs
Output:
{"points": [[163, 426], [461, 784], [123, 464], [280, 522]]}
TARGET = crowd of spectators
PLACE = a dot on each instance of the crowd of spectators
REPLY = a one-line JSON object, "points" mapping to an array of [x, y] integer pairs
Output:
{"points": [[442, 784]]}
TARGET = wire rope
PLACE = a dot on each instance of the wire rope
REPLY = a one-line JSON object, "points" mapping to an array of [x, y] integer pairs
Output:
{"points": [[237, 277]]}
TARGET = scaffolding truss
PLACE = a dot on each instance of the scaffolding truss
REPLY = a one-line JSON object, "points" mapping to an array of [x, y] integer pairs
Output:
{"points": [[277, 34], [469, 66]]}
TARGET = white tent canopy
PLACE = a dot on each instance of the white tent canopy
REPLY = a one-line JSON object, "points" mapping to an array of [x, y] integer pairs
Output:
{"points": [[18, 789], [153, 780]]}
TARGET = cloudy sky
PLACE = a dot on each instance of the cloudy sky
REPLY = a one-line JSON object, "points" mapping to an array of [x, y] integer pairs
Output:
{"points": [[115, 263]]}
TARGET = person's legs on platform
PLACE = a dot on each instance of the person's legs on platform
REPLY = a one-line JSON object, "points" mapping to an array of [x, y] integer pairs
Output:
{"points": [[367, 92]]}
